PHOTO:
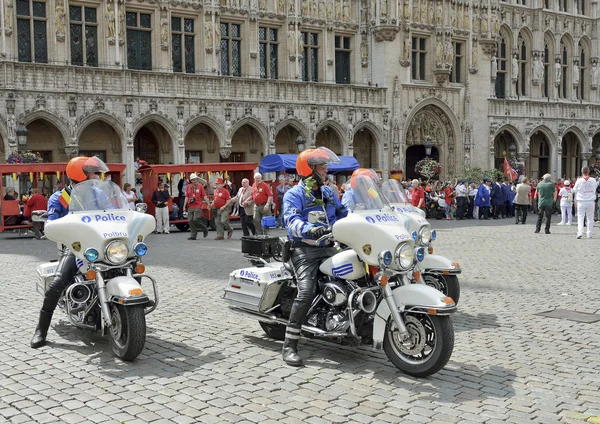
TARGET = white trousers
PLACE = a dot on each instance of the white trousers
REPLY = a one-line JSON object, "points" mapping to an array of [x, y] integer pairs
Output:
{"points": [[567, 214], [583, 209], [162, 219]]}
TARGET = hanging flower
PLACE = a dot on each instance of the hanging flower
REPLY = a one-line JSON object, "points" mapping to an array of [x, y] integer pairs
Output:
{"points": [[25, 157], [518, 166], [595, 168], [428, 168]]}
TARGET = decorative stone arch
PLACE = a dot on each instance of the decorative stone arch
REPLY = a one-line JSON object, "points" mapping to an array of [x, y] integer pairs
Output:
{"points": [[426, 118], [107, 118], [371, 127], [207, 120], [507, 31], [516, 134], [254, 123], [339, 130], [50, 117], [163, 122], [585, 147], [377, 141], [293, 122], [544, 130]]}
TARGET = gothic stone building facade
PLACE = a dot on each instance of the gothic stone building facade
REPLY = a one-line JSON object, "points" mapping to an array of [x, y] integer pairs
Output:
{"points": [[234, 80]]}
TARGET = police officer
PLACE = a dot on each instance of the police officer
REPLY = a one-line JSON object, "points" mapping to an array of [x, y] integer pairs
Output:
{"points": [[308, 253], [78, 169]]}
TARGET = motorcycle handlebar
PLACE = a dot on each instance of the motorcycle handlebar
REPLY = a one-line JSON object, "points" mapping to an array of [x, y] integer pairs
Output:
{"points": [[327, 235]]}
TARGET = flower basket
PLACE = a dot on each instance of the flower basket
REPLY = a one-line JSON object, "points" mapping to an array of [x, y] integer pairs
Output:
{"points": [[518, 166], [24, 157], [428, 168], [595, 168]]}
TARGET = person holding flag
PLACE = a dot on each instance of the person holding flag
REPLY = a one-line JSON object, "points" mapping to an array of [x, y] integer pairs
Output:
{"points": [[509, 171]]}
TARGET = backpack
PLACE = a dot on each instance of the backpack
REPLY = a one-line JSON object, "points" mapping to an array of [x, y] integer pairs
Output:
{"points": [[570, 197]]}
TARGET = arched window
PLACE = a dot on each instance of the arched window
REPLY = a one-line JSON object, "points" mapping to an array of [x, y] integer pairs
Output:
{"points": [[546, 70], [562, 5], [564, 57], [501, 75], [522, 60], [583, 67]]}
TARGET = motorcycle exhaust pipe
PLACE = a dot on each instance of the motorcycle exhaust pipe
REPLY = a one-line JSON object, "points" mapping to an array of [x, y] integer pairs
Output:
{"points": [[367, 302], [79, 293]]}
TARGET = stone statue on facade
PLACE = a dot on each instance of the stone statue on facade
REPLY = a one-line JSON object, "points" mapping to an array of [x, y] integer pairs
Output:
{"points": [[364, 52], [11, 126], [575, 73], [292, 7], [439, 53], [484, 23], [164, 31], [406, 10], [594, 73], [330, 10], [291, 41], [110, 20], [8, 17], [538, 69], [494, 67], [452, 17], [306, 7], [557, 70], [476, 24], [314, 8], [346, 10], [208, 33], [122, 24], [228, 132], [262, 4], [431, 12], [217, 35], [448, 53], [322, 12], [423, 10], [515, 67], [73, 126], [60, 20], [180, 130], [338, 10], [281, 6], [407, 47], [439, 14], [129, 127], [466, 18], [474, 55], [300, 42]]}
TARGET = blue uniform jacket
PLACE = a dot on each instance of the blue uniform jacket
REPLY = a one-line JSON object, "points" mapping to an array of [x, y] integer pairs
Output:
{"points": [[55, 208], [296, 207], [496, 194], [506, 191], [482, 199]]}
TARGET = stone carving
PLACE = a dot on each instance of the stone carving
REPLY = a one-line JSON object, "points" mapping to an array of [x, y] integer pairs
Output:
{"points": [[423, 10], [594, 73], [11, 126], [439, 14], [494, 67], [466, 19], [453, 17], [292, 7], [164, 31], [129, 127], [322, 12], [306, 8], [262, 4], [8, 17], [575, 73], [439, 53], [538, 68], [557, 70], [281, 6], [73, 126], [338, 10], [330, 10], [225, 152], [122, 24], [60, 20], [346, 10], [431, 10], [314, 8], [429, 122], [300, 42], [474, 54], [406, 10], [217, 37], [208, 34], [515, 67], [228, 131], [180, 130], [448, 53], [484, 23], [496, 24], [476, 24], [291, 41], [407, 47], [110, 21]]}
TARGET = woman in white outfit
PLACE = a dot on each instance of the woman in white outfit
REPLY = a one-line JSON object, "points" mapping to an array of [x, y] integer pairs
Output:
{"points": [[130, 195], [585, 195], [566, 203]]}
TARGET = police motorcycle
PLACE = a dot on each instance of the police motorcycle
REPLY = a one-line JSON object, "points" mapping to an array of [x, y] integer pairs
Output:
{"points": [[355, 300], [107, 239], [436, 271]]}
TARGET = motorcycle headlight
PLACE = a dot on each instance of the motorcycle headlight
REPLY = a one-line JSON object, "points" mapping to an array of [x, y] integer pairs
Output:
{"points": [[420, 253], [384, 258], [433, 235], [140, 249], [405, 256], [116, 252], [91, 254], [414, 236], [425, 234]]}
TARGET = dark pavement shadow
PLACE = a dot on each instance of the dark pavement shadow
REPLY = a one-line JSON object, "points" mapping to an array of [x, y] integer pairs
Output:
{"points": [[468, 322]]}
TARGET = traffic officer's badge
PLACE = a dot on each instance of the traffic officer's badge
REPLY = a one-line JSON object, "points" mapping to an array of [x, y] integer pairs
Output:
{"points": [[76, 246], [140, 238], [367, 249]]}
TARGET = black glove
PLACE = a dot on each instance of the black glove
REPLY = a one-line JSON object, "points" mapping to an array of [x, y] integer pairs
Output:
{"points": [[316, 232]]}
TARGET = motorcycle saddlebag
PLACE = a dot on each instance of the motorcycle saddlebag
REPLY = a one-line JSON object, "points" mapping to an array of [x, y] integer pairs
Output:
{"points": [[261, 246], [46, 273], [254, 288]]}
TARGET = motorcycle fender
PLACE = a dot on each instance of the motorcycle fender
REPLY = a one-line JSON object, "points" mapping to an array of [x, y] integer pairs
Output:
{"points": [[438, 263], [418, 296], [119, 289]]}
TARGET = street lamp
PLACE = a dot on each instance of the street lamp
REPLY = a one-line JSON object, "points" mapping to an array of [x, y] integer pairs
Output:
{"points": [[512, 149], [428, 145], [21, 131], [300, 143]]}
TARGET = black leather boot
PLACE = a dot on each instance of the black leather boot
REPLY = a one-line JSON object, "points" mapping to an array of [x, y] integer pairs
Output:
{"points": [[39, 337], [290, 352]]}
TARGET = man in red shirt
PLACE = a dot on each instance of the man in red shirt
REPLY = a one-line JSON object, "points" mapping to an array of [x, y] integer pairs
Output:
{"points": [[194, 196], [418, 195], [220, 209], [263, 198], [37, 202]]}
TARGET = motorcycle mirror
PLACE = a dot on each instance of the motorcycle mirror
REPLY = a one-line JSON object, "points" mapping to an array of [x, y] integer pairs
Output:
{"points": [[317, 217], [141, 207], [39, 216]]}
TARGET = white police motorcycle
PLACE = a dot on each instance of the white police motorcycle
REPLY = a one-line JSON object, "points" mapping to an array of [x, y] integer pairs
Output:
{"points": [[356, 300], [107, 239], [436, 271]]}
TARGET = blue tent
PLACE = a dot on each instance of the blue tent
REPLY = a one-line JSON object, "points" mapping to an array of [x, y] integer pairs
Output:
{"points": [[287, 163]]}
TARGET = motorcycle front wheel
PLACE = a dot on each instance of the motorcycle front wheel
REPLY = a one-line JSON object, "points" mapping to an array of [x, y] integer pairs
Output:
{"points": [[447, 284], [128, 333], [428, 348]]}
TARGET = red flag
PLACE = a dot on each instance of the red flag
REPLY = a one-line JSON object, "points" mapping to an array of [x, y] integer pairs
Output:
{"points": [[509, 172]]}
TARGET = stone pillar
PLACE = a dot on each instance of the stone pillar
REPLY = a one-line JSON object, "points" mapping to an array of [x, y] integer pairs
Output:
{"points": [[128, 160], [585, 157], [557, 159]]}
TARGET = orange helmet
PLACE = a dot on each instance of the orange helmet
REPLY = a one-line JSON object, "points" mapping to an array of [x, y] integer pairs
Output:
{"points": [[363, 173], [75, 170], [310, 158], [95, 164]]}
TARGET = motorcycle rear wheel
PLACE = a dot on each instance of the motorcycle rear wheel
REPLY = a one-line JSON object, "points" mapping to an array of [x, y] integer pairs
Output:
{"points": [[274, 331], [447, 284], [128, 334], [428, 348]]}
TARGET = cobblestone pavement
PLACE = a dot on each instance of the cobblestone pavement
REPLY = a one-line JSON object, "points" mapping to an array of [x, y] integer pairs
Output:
{"points": [[202, 363]]}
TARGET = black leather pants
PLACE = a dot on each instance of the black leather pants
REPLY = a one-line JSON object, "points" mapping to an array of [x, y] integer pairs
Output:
{"points": [[65, 271], [306, 261]]}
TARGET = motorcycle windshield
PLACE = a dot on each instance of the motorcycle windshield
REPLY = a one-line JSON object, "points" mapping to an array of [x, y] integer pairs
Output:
{"points": [[97, 195], [366, 196], [393, 192]]}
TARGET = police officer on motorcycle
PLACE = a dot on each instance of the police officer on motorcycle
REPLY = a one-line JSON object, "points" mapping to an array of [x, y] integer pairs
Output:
{"points": [[78, 169], [308, 253]]}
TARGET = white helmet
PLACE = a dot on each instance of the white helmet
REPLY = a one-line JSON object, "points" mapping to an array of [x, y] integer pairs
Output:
{"points": [[567, 182]]}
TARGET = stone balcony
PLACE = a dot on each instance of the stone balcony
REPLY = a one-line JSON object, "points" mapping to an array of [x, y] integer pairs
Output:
{"points": [[543, 110], [102, 81]]}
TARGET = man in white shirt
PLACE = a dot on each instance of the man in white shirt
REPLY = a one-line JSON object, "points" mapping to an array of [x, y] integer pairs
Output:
{"points": [[462, 193], [585, 195]]}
